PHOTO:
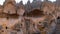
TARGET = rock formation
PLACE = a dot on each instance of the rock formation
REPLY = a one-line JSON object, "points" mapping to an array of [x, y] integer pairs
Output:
{"points": [[32, 18]]}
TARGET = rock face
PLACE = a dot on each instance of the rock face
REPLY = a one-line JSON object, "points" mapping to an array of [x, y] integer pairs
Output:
{"points": [[9, 6], [32, 18]]}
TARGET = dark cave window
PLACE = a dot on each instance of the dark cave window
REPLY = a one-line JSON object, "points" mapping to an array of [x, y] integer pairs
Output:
{"points": [[58, 18], [7, 18], [21, 24], [2, 31], [6, 27], [39, 22]]}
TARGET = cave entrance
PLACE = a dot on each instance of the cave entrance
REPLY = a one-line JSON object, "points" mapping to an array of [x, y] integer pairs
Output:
{"points": [[58, 19]]}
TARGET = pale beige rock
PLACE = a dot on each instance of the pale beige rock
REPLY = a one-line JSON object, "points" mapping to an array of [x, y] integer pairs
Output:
{"points": [[9, 7]]}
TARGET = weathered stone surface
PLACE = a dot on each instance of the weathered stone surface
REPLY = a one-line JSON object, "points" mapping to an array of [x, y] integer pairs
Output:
{"points": [[32, 18]]}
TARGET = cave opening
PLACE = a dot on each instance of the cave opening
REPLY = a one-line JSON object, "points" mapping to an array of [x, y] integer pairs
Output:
{"points": [[34, 13], [58, 17], [58, 20]]}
